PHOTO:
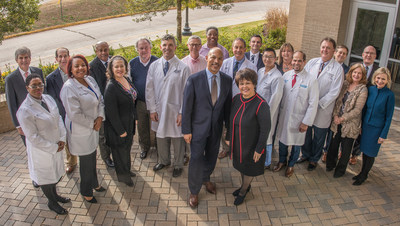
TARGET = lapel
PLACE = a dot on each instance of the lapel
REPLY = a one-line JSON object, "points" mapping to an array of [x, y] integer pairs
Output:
{"points": [[58, 79], [100, 65], [19, 79], [205, 80]]}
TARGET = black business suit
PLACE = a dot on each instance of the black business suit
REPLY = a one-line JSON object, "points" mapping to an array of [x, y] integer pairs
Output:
{"points": [[16, 92], [260, 63], [119, 110], [98, 71], [54, 83], [204, 121]]}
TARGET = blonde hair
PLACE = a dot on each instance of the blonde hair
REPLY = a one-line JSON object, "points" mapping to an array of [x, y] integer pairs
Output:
{"points": [[385, 71]]}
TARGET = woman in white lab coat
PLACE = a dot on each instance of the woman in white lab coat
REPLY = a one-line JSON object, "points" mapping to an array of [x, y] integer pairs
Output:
{"points": [[45, 139], [84, 109]]}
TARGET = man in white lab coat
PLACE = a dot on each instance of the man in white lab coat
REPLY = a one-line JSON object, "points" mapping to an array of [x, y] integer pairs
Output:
{"points": [[270, 87], [297, 111], [329, 74], [230, 66], [165, 83]]}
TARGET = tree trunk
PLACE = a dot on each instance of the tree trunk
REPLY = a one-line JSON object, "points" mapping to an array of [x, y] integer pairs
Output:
{"points": [[179, 20]]}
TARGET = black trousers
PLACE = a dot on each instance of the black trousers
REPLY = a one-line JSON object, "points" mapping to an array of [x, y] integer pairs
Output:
{"points": [[50, 192], [367, 164], [332, 156], [122, 161], [88, 172]]}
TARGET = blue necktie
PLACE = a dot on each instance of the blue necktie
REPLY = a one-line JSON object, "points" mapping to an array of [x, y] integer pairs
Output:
{"points": [[235, 69], [166, 67]]}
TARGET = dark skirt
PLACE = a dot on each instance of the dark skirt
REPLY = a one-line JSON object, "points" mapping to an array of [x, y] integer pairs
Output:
{"points": [[369, 140], [248, 167]]}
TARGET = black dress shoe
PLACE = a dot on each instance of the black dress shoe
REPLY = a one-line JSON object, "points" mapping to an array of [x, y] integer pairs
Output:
{"points": [[62, 199], [159, 166], [129, 183], [336, 175], [143, 154], [328, 169], [240, 199], [177, 172], [358, 182], [93, 200], [101, 189], [57, 208], [132, 174], [355, 177], [109, 162], [35, 185], [237, 191], [311, 166]]}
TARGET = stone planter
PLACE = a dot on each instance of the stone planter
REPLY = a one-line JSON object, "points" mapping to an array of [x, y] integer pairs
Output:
{"points": [[5, 118]]}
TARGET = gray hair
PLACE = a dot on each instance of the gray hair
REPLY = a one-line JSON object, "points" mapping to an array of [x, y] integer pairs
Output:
{"points": [[100, 43], [144, 39], [22, 51], [194, 37], [167, 37]]}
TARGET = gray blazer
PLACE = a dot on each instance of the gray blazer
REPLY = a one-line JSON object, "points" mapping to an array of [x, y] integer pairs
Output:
{"points": [[16, 91]]}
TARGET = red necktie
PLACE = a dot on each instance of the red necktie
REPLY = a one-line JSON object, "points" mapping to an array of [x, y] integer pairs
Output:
{"points": [[26, 74], [294, 80]]}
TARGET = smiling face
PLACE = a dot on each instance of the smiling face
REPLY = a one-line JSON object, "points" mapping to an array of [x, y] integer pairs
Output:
{"points": [[381, 80], [36, 88], [214, 60], [119, 69], [247, 88], [357, 75], [326, 50], [102, 51], [238, 49], [255, 44], [340, 55], [369, 55], [287, 54], [144, 50], [23, 61], [79, 68], [194, 46], [168, 48], [62, 58], [212, 38], [269, 59], [298, 62]]}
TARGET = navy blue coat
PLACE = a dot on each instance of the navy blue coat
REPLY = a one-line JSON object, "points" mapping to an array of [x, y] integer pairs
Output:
{"points": [[199, 117], [54, 83], [260, 63]]}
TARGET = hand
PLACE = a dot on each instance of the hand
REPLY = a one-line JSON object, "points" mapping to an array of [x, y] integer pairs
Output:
{"points": [[227, 142], [256, 156], [187, 137], [123, 135], [303, 128], [179, 120], [336, 120], [20, 131], [97, 123], [381, 140], [154, 117], [61, 145]]}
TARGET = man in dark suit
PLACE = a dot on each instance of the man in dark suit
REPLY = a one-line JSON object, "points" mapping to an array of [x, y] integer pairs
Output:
{"points": [[54, 82], [369, 56], [15, 84], [254, 54], [203, 114], [16, 89], [98, 68]]}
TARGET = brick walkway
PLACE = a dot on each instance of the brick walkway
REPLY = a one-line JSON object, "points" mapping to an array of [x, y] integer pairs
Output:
{"points": [[308, 198]]}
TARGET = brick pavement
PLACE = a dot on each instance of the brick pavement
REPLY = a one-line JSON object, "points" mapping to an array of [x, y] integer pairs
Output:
{"points": [[308, 198]]}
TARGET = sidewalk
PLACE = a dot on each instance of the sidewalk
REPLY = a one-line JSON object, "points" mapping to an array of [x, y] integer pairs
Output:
{"points": [[308, 198]]}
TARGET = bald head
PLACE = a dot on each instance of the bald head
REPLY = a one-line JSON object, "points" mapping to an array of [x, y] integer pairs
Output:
{"points": [[102, 50], [214, 58]]}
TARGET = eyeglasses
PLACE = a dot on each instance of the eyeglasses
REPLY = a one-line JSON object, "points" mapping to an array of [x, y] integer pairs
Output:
{"points": [[194, 45], [369, 53], [270, 57], [37, 86]]}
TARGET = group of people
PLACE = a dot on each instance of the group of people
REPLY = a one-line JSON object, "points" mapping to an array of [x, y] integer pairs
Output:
{"points": [[205, 101]]}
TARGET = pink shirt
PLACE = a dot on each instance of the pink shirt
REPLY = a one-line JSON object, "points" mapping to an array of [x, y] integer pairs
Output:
{"points": [[195, 65], [204, 51]]}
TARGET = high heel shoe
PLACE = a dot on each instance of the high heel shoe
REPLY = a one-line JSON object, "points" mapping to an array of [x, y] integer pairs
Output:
{"points": [[240, 199], [237, 191], [93, 200], [100, 189]]}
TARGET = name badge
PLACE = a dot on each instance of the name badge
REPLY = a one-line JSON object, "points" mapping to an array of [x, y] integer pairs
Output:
{"points": [[303, 86], [286, 80]]}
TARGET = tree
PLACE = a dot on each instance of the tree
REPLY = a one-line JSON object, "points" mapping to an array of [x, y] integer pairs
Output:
{"points": [[17, 15], [151, 8]]}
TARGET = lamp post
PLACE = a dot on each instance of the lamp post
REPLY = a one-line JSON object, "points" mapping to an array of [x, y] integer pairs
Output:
{"points": [[186, 29]]}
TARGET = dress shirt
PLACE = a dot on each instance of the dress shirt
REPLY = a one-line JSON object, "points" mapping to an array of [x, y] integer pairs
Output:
{"points": [[255, 57], [63, 75], [240, 62], [23, 73], [369, 69], [104, 63], [195, 65], [144, 64], [204, 50], [209, 79]]}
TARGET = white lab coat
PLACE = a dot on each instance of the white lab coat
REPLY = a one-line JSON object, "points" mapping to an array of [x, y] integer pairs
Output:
{"points": [[164, 95], [299, 105], [227, 68], [43, 130], [82, 107], [330, 82], [270, 87]]}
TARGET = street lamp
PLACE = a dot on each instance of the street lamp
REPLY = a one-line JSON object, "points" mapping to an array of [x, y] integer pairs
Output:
{"points": [[186, 29]]}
